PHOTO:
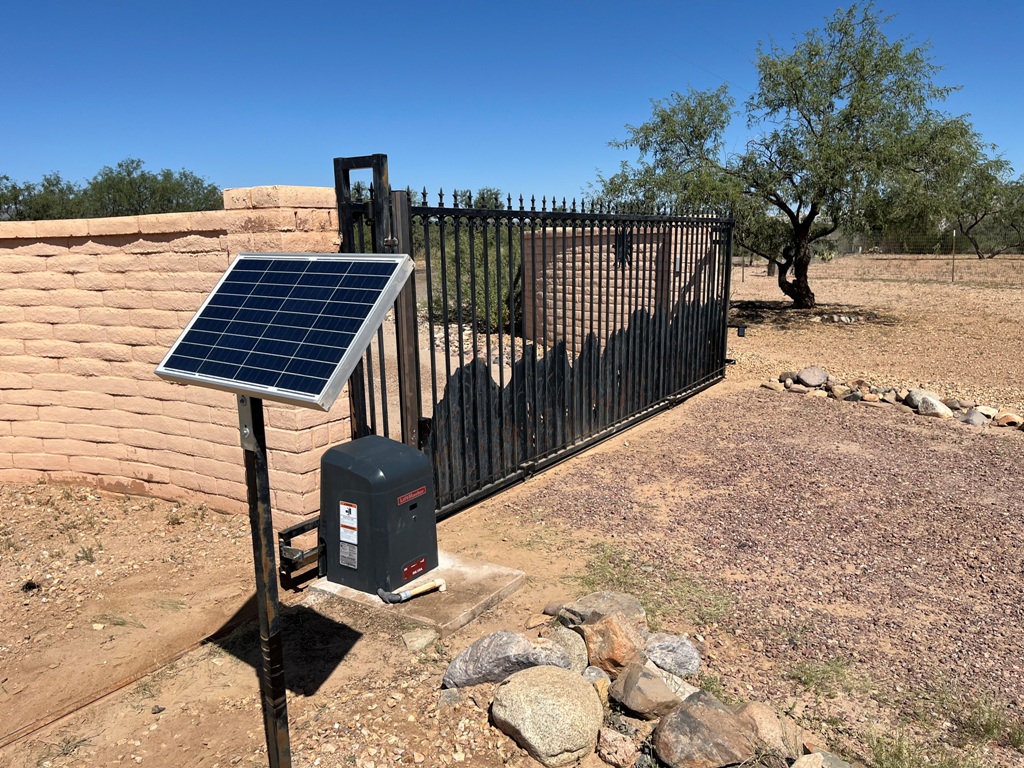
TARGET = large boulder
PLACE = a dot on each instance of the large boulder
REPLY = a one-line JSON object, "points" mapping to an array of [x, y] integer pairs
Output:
{"points": [[612, 642], [573, 644], [777, 733], [974, 417], [812, 376], [702, 733], [673, 653], [616, 749], [1008, 419], [552, 713], [913, 397], [642, 690], [494, 657], [930, 406], [598, 604]]}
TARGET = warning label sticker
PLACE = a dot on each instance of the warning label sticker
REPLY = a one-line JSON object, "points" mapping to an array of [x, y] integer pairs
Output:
{"points": [[348, 519], [348, 555]]}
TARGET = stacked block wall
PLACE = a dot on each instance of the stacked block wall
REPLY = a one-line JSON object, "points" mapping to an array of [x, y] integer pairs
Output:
{"points": [[573, 284], [88, 307]]}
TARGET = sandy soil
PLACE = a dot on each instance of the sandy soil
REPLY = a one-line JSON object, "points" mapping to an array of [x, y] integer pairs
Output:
{"points": [[789, 534]]}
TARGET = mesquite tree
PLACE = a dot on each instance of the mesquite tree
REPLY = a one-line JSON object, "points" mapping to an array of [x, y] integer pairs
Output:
{"points": [[844, 113]]}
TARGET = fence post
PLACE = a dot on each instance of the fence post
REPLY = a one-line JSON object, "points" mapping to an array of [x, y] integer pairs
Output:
{"points": [[952, 276]]}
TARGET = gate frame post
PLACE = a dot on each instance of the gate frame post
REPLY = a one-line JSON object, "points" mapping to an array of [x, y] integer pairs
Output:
{"points": [[407, 329], [380, 237], [391, 232]]}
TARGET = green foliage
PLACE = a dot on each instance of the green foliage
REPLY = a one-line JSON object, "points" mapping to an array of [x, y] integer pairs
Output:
{"points": [[476, 263], [900, 751], [661, 591], [826, 678], [124, 190], [838, 119]]}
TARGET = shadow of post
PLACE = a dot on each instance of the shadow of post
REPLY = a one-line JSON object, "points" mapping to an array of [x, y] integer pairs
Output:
{"points": [[314, 645]]}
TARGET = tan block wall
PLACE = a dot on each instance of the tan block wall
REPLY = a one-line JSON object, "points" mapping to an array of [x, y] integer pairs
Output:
{"points": [[89, 307], [572, 284]]}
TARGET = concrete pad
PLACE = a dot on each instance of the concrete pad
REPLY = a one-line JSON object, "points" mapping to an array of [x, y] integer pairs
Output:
{"points": [[473, 587]]}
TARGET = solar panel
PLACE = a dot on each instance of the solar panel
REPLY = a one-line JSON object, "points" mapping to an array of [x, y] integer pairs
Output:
{"points": [[288, 327]]}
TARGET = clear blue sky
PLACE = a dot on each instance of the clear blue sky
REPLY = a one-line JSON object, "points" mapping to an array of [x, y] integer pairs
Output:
{"points": [[522, 96]]}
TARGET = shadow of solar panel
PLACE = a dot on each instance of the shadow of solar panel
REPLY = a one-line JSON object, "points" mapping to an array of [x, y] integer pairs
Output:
{"points": [[287, 326]]}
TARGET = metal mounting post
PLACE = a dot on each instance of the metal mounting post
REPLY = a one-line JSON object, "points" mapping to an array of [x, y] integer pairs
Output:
{"points": [[257, 482]]}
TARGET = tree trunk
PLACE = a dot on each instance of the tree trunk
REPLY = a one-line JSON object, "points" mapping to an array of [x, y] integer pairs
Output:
{"points": [[798, 289], [773, 268]]}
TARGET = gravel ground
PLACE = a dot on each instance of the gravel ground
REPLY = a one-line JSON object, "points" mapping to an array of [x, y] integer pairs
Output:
{"points": [[857, 567]]}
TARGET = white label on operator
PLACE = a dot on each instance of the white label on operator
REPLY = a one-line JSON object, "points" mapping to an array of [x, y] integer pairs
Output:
{"points": [[348, 519], [348, 555]]}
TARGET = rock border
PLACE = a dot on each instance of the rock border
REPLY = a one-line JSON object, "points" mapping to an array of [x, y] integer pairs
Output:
{"points": [[634, 701], [814, 381]]}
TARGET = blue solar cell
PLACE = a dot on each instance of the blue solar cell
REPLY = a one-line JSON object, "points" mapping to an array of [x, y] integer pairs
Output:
{"points": [[287, 326]]}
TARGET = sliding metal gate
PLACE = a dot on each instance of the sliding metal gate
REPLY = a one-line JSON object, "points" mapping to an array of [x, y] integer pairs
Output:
{"points": [[544, 330]]}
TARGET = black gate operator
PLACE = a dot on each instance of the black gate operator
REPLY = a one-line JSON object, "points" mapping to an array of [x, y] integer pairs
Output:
{"points": [[377, 523]]}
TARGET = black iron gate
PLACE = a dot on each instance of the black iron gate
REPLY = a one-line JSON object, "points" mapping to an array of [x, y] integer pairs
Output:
{"points": [[548, 330]]}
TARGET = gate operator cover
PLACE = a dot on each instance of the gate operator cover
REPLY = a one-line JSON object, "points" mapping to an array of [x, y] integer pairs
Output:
{"points": [[377, 523]]}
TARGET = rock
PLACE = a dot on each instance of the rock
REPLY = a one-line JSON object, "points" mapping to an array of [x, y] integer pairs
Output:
{"points": [[449, 697], [673, 653], [598, 604], [913, 397], [986, 410], [702, 733], [676, 684], [840, 391], [774, 386], [552, 608], [642, 691], [598, 678], [616, 749], [1007, 419], [953, 404], [854, 397], [974, 417], [871, 397], [799, 389], [930, 406], [494, 657], [612, 642], [812, 376], [861, 385], [537, 620], [552, 713], [419, 639], [157, 709], [789, 376], [779, 734], [820, 760], [573, 644], [788, 383], [817, 393], [889, 396]]}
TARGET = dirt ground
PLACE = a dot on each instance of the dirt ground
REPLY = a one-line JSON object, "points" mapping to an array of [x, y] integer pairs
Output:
{"points": [[857, 567]]}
